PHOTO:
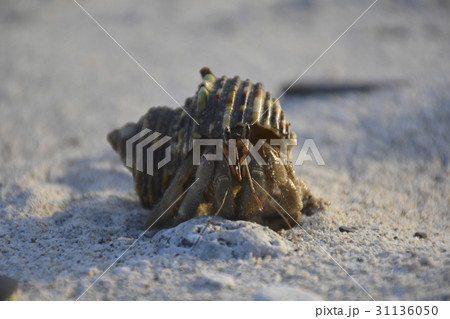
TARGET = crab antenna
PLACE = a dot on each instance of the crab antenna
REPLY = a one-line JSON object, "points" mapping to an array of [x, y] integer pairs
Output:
{"points": [[238, 165], [244, 151], [235, 166]]}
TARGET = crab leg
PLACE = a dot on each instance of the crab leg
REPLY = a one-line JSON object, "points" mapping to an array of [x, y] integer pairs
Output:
{"points": [[274, 204], [162, 215], [211, 219], [247, 171], [245, 152], [195, 196], [222, 184]]}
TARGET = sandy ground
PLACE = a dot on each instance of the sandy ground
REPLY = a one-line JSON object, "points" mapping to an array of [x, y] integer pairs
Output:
{"points": [[67, 206]]}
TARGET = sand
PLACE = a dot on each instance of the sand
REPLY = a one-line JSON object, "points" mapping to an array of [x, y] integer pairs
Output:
{"points": [[67, 205]]}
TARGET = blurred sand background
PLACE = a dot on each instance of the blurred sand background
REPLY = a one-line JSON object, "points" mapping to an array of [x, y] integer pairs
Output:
{"points": [[67, 205]]}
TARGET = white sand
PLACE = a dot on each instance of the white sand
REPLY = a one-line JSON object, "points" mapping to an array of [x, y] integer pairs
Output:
{"points": [[67, 206]]}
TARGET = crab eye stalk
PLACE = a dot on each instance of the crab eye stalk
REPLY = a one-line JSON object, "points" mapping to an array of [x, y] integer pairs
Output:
{"points": [[226, 133], [246, 130]]}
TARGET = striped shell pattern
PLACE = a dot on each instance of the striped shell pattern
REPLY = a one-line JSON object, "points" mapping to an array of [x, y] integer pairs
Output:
{"points": [[219, 105]]}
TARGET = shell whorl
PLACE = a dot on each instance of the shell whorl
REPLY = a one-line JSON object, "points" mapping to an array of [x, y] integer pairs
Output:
{"points": [[224, 102]]}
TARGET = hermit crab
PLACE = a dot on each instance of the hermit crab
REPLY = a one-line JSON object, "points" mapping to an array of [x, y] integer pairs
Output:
{"points": [[259, 186]]}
